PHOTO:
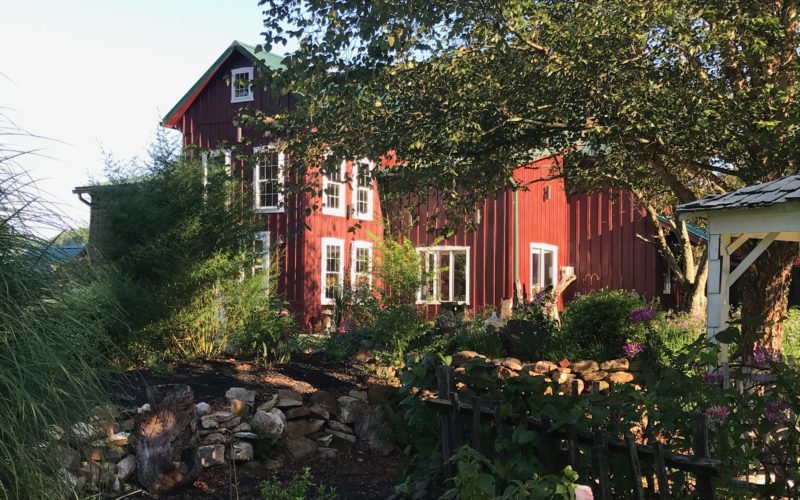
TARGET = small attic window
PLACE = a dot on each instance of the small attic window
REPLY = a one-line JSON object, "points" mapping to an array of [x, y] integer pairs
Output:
{"points": [[242, 84]]}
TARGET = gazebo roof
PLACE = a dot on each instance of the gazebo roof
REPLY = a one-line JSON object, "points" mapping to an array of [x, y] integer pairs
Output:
{"points": [[767, 194]]}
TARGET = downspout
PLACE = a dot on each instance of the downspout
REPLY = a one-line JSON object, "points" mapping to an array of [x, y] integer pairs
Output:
{"points": [[515, 187]]}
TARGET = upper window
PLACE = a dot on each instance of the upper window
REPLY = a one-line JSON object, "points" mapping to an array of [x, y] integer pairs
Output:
{"points": [[362, 190], [361, 265], [447, 274], [268, 180], [544, 266], [333, 190], [242, 84], [332, 268]]}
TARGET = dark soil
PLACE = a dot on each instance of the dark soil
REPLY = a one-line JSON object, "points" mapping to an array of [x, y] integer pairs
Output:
{"points": [[354, 474]]}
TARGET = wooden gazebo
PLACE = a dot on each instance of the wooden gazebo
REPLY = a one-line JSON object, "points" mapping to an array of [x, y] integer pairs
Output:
{"points": [[767, 212]]}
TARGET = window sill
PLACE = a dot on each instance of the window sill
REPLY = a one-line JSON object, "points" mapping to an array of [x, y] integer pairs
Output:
{"points": [[439, 303], [274, 210], [236, 100], [366, 217], [333, 211]]}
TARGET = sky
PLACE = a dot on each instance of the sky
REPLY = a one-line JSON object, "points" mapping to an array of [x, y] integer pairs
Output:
{"points": [[95, 77]]}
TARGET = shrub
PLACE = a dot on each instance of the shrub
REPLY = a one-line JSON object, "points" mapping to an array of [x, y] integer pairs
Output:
{"points": [[299, 488], [395, 327], [791, 333], [475, 336], [530, 330], [597, 325]]}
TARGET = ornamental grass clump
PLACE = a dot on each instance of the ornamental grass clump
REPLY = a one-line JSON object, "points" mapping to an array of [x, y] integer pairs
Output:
{"points": [[53, 344]]}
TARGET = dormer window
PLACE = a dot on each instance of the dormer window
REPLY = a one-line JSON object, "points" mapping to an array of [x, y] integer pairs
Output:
{"points": [[242, 85]]}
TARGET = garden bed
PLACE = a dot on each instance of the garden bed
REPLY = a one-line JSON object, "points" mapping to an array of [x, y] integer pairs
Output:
{"points": [[354, 474]]}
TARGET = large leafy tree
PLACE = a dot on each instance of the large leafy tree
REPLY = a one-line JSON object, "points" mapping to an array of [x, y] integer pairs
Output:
{"points": [[668, 99]]}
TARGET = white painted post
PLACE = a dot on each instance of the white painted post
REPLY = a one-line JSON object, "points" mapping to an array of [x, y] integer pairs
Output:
{"points": [[718, 291]]}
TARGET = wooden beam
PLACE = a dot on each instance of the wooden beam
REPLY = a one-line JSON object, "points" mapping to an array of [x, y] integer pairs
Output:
{"points": [[751, 257], [738, 242]]}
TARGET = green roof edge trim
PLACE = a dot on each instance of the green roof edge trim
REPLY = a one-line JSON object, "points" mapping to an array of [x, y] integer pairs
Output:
{"points": [[266, 61]]}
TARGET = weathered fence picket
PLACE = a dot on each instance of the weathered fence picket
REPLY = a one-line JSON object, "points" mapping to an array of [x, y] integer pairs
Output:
{"points": [[700, 464]]}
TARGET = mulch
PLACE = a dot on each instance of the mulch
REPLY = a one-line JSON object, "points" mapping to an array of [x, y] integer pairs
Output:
{"points": [[354, 474]]}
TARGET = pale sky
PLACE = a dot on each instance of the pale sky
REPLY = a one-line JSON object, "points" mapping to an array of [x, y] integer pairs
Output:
{"points": [[98, 75]]}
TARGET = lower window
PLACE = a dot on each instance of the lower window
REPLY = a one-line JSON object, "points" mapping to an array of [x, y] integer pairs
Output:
{"points": [[332, 268], [447, 274], [544, 266]]}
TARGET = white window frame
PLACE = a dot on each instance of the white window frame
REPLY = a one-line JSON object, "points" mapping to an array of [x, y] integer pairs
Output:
{"points": [[325, 243], [424, 251], [355, 190], [213, 153], [242, 71], [257, 186], [354, 247], [342, 183], [542, 247], [264, 238], [666, 288]]}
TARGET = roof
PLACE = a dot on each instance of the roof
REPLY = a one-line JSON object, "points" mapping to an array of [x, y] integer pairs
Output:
{"points": [[691, 228], [775, 192], [261, 58]]}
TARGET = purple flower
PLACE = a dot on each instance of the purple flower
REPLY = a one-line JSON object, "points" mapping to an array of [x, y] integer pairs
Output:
{"points": [[631, 349], [643, 314], [778, 412], [767, 355], [712, 378], [717, 414]]}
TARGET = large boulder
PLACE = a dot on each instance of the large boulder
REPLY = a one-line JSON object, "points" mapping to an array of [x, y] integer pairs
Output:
{"points": [[241, 394], [212, 454], [288, 399], [349, 408], [242, 451], [296, 428], [325, 400]]}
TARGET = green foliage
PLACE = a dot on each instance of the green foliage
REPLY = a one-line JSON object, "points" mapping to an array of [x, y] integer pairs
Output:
{"points": [[76, 236], [397, 272], [597, 325], [299, 488], [791, 333], [475, 336], [395, 327], [540, 329], [472, 484], [747, 428], [53, 342], [185, 250]]}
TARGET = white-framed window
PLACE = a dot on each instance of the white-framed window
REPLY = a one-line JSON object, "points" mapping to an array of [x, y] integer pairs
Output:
{"points": [[544, 266], [268, 180], [361, 265], [332, 268], [261, 262], [208, 157], [667, 286], [362, 189], [447, 274], [242, 84], [333, 190]]}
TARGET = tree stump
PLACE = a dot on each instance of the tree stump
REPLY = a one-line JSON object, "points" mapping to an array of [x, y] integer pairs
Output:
{"points": [[167, 439]]}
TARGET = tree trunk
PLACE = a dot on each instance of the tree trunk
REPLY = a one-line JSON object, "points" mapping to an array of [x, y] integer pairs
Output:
{"points": [[166, 440], [694, 299], [765, 296]]}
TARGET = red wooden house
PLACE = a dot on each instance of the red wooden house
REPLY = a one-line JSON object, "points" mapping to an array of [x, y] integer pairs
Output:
{"points": [[533, 234]]}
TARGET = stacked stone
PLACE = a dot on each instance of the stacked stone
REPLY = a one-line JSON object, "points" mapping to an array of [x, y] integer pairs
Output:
{"points": [[571, 377]]}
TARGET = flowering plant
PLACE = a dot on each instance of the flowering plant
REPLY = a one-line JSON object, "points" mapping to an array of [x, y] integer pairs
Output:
{"points": [[632, 349]]}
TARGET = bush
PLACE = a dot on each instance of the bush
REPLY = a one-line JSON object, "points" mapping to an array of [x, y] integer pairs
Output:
{"points": [[530, 330], [791, 333], [395, 327], [299, 488], [475, 336], [598, 325]]}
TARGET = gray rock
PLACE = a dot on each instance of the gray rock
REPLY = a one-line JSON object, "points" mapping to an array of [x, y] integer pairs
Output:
{"points": [[245, 435], [222, 416], [269, 404], [242, 394], [349, 408], [289, 399], [242, 451], [340, 427], [325, 400], [275, 463], [300, 448], [273, 421], [145, 407], [215, 438], [298, 412], [362, 395], [325, 440], [243, 427], [342, 440], [126, 467], [303, 427], [462, 357], [208, 422], [319, 411], [202, 409], [119, 439], [232, 423], [212, 454]]}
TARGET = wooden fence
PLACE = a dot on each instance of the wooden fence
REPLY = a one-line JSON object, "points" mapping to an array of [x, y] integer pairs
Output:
{"points": [[601, 444]]}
